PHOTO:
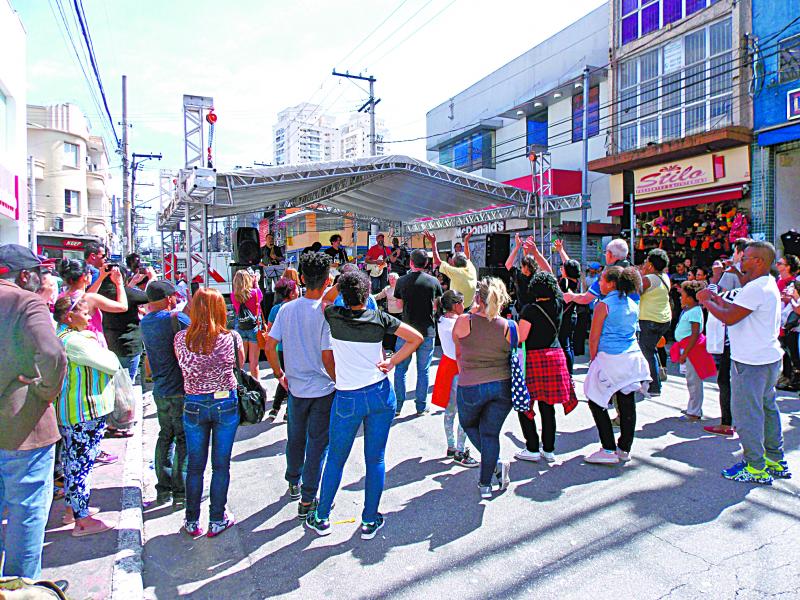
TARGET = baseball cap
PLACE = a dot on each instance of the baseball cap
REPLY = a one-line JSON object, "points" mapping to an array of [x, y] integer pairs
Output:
{"points": [[159, 290], [17, 258], [594, 265]]}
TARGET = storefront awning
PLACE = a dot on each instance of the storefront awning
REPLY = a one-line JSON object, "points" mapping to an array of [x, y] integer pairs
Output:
{"points": [[790, 133], [706, 196]]}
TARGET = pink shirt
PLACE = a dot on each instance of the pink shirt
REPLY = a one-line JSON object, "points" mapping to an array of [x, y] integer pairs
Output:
{"points": [[208, 373], [95, 320], [254, 303]]}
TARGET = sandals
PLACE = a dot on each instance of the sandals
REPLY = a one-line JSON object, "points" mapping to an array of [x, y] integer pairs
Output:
{"points": [[117, 433]]}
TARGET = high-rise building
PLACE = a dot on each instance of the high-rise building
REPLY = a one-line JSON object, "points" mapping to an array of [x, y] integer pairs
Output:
{"points": [[72, 174], [303, 133], [354, 137]]}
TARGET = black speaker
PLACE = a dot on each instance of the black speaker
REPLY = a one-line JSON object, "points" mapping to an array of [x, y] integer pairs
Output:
{"points": [[497, 249], [246, 249]]}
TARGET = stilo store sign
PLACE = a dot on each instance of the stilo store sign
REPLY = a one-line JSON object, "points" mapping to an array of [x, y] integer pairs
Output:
{"points": [[698, 170]]}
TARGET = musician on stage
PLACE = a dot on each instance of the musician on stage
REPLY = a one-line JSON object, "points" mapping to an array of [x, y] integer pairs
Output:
{"points": [[337, 252], [378, 264], [271, 254], [399, 258]]}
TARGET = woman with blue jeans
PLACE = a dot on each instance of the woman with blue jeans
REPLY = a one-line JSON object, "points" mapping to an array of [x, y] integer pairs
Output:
{"points": [[363, 395], [206, 355], [484, 379]]}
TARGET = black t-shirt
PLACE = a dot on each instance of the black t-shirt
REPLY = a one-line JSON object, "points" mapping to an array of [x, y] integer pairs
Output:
{"points": [[572, 286], [543, 334], [265, 255], [418, 291], [123, 336], [521, 283], [339, 255], [400, 265]]}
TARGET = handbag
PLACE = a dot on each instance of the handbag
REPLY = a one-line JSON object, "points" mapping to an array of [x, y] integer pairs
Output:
{"points": [[252, 397], [520, 397], [246, 320], [261, 336]]}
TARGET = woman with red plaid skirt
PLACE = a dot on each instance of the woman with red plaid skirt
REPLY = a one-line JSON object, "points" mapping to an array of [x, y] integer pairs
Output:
{"points": [[546, 372]]}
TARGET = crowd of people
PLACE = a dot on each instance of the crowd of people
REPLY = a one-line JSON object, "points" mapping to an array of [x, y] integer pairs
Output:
{"points": [[339, 341]]}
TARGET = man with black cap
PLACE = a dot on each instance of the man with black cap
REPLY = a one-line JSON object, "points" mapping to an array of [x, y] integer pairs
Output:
{"points": [[158, 328], [32, 368]]}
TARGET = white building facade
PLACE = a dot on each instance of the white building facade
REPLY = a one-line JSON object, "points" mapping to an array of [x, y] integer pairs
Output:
{"points": [[354, 137], [13, 153], [535, 102], [72, 175], [303, 133]]}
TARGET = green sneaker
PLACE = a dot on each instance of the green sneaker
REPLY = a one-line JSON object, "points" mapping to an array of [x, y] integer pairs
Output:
{"points": [[779, 470], [744, 472]]}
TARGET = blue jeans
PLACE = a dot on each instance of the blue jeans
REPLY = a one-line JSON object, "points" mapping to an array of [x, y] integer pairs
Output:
{"points": [[26, 491], [206, 418], [482, 409], [374, 406], [424, 357], [132, 364], [307, 443]]}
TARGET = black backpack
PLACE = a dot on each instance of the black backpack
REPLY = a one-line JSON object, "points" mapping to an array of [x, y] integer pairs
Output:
{"points": [[247, 320]]}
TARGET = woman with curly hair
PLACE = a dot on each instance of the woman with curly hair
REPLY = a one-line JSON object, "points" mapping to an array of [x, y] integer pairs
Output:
{"points": [[547, 372], [618, 365], [484, 378]]}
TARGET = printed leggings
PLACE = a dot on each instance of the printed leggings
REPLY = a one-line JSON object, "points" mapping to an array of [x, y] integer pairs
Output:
{"points": [[81, 447]]}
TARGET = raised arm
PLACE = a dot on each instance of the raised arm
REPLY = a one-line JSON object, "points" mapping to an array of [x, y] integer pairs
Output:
{"points": [[530, 248], [432, 239], [725, 311], [467, 251], [559, 246], [512, 258]]}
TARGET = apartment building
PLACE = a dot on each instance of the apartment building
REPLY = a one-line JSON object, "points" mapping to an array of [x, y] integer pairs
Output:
{"points": [[71, 168]]}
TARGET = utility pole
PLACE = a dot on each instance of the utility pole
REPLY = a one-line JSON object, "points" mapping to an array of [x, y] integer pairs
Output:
{"points": [[126, 198], [135, 167], [32, 240], [585, 203], [369, 106]]}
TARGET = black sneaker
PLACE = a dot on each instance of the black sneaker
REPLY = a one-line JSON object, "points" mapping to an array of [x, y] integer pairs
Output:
{"points": [[178, 501], [304, 509], [368, 530], [423, 412], [318, 525], [465, 460], [451, 452], [294, 491]]}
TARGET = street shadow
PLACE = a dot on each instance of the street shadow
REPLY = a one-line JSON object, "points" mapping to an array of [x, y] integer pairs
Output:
{"points": [[276, 448], [411, 470]]}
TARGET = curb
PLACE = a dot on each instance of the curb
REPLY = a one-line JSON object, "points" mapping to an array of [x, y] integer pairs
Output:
{"points": [[126, 578]]}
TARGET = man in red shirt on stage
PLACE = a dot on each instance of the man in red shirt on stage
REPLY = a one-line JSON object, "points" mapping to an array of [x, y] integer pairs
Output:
{"points": [[378, 264]]}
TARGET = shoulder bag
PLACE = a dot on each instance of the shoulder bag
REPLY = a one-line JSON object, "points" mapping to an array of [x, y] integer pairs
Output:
{"points": [[246, 320], [252, 397], [520, 397]]}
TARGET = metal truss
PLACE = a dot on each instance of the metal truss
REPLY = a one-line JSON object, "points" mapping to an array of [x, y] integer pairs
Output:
{"points": [[473, 218], [558, 204]]}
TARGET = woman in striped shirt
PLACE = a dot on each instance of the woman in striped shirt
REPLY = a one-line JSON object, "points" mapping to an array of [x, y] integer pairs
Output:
{"points": [[86, 398]]}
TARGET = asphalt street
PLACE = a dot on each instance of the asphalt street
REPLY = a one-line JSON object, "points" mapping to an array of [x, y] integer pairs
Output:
{"points": [[666, 525]]}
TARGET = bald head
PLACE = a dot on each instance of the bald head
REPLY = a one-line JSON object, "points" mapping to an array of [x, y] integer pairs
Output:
{"points": [[757, 259]]}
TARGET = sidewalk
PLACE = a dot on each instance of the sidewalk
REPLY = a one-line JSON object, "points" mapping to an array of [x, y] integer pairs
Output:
{"points": [[95, 564]]}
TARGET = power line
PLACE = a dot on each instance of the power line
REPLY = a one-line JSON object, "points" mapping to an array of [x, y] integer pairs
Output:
{"points": [[78, 5], [369, 35]]}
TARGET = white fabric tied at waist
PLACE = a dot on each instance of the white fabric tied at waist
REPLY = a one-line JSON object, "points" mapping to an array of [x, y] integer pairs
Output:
{"points": [[612, 373]]}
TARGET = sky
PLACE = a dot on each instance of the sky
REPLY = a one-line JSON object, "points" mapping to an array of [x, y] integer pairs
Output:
{"points": [[256, 57]]}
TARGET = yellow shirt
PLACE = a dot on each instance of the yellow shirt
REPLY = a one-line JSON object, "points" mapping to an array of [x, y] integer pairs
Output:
{"points": [[462, 279], [654, 303]]}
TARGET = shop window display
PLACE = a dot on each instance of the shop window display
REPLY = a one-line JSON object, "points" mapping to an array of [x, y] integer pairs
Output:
{"points": [[700, 233]]}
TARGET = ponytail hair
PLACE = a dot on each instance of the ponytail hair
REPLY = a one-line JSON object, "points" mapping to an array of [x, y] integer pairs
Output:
{"points": [[627, 281], [446, 303], [71, 269], [493, 294]]}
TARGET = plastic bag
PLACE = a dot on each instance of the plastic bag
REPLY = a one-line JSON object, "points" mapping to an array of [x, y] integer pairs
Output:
{"points": [[124, 414]]}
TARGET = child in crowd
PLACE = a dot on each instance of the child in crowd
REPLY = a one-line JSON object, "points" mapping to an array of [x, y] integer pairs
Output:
{"points": [[445, 387], [689, 340]]}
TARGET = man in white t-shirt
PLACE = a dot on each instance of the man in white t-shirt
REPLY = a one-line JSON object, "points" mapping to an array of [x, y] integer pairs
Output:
{"points": [[753, 319]]}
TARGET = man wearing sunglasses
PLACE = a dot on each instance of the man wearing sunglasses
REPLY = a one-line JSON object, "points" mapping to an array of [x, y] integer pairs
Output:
{"points": [[32, 368], [95, 254]]}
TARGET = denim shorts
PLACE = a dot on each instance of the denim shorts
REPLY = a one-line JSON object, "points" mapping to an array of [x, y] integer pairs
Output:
{"points": [[248, 335]]}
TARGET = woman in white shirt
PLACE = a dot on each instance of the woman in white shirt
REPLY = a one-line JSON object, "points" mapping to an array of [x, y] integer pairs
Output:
{"points": [[451, 305]]}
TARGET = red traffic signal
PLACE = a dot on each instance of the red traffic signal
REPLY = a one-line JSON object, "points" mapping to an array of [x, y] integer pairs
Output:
{"points": [[211, 117]]}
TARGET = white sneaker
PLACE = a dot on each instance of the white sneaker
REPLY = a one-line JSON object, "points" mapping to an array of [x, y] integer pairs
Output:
{"points": [[486, 491], [623, 456], [602, 457], [502, 474], [549, 456], [526, 454]]}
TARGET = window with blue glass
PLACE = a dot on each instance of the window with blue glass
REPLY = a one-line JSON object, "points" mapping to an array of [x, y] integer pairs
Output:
{"points": [[594, 114], [637, 18], [537, 129], [470, 153]]}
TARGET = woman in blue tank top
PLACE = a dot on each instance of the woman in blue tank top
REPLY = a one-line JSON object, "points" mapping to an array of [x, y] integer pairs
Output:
{"points": [[617, 364]]}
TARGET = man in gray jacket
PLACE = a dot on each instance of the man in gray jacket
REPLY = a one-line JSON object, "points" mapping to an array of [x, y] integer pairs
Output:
{"points": [[32, 368]]}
